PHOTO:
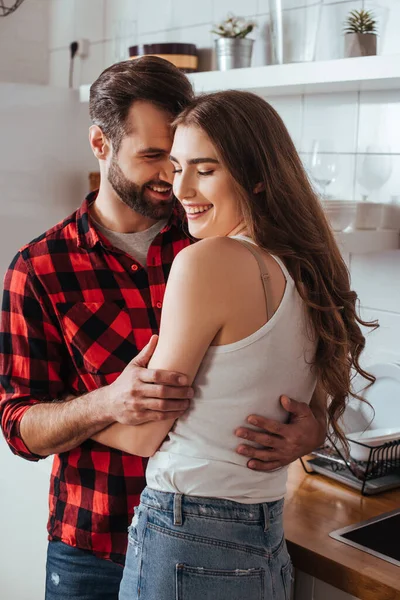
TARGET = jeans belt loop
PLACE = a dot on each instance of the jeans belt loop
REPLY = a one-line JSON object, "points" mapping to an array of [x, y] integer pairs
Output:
{"points": [[178, 509], [266, 516]]}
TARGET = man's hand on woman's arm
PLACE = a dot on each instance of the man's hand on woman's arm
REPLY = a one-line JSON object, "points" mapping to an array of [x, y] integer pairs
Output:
{"points": [[283, 443], [137, 396]]}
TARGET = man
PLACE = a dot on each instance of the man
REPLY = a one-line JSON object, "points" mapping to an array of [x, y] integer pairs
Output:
{"points": [[80, 304]]}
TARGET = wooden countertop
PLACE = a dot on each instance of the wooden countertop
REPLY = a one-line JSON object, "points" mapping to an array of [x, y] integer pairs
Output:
{"points": [[316, 506]]}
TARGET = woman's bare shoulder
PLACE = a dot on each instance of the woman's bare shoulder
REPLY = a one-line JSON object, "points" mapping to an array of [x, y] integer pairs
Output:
{"points": [[214, 250], [208, 264]]}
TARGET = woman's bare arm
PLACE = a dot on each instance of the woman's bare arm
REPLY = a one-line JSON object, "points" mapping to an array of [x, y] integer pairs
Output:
{"points": [[193, 313]]}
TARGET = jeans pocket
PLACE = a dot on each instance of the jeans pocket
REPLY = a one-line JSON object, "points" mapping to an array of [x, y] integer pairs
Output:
{"points": [[198, 583], [287, 579]]}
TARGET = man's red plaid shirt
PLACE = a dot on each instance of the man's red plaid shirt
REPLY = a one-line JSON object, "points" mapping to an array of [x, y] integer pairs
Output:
{"points": [[75, 312]]}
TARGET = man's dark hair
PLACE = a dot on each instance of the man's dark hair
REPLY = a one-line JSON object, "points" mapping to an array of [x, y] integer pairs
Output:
{"points": [[148, 78]]}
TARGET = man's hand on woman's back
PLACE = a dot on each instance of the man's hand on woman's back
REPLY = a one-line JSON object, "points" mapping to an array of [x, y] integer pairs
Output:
{"points": [[283, 443]]}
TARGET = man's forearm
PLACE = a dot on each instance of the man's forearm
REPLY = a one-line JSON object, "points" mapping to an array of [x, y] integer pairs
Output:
{"points": [[55, 427]]}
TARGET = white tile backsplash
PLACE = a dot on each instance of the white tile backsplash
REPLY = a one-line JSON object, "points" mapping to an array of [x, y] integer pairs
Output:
{"points": [[221, 8], [116, 51], [154, 15], [88, 69], [382, 343], [89, 20], [290, 109], [117, 14], [199, 34], [62, 23], [59, 67], [185, 14], [331, 117], [376, 277], [291, 4], [379, 121]]}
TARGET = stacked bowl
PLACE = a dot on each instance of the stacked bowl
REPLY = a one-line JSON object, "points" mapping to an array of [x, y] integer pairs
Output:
{"points": [[340, 213]]}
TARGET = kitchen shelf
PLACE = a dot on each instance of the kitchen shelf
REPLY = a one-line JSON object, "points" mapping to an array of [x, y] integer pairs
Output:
{"points": [[342, 75], [355, 241]]}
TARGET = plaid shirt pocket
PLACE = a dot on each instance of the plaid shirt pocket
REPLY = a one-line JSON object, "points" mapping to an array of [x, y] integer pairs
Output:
{"points": [[99, 336]]}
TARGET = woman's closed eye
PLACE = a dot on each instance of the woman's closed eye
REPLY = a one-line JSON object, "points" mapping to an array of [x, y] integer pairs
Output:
{"points": [[204, 173]]}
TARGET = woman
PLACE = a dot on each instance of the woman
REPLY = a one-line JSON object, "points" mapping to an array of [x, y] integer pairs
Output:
{"points": [[260, 305]]}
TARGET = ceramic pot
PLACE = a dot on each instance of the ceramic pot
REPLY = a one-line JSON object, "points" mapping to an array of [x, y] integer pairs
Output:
{"points": [[359, 44]]}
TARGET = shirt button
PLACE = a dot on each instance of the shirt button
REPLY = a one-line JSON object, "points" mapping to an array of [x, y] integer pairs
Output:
{"points": [[134, 267], [159, 304]]}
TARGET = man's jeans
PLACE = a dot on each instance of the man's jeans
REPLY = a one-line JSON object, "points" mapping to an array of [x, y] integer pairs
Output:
{"points": [[72, 574]]}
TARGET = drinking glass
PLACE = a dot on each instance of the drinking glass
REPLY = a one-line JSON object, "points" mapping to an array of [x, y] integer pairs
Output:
{"points": [[323, 164], [376, 169]]}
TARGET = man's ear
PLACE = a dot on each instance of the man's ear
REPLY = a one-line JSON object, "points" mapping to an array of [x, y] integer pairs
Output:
{"points": [[98, 142], [260, 187]]}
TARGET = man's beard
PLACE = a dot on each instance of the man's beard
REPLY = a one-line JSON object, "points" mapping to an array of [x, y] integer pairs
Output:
{"points": [[134, 195]]}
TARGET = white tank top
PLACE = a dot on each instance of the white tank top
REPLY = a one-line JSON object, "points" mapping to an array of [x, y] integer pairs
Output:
{"points": [[199, 458]]}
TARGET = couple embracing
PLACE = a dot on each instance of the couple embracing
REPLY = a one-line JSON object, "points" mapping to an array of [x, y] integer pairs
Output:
{"points": [[258, 335]]}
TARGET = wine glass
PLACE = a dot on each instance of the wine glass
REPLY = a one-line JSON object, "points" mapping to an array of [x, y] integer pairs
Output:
{"points": [[323, 164], [376, 169]]}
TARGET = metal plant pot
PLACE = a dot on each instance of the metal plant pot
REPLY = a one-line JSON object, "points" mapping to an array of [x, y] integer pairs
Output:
{"points": [[359, 44], [233, 53]]}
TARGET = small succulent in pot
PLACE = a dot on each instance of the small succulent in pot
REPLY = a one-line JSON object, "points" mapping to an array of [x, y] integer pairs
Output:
{"points": [[360, 34], [233, 49], [234, 27]]}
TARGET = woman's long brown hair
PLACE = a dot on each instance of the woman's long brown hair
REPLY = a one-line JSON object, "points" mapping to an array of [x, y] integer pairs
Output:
{"points": [[286, 219]]}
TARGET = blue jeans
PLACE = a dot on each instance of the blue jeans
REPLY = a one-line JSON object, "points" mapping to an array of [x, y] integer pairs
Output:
{"points": [[192, 548], [73, 574]]}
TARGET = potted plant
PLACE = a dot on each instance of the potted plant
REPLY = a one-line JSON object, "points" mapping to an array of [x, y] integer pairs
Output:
{"points": [[360, 34], [233, 48]]}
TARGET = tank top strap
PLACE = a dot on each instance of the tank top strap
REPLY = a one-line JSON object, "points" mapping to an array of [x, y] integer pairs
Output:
{"points": [[265, 278]]}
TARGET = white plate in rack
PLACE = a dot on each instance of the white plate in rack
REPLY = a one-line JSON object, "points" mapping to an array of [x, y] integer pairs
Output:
{"points": [[372, 438], [383, 396]]}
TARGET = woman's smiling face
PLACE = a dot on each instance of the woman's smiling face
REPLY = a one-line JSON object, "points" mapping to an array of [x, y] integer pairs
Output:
{"points": [[203, 185]]}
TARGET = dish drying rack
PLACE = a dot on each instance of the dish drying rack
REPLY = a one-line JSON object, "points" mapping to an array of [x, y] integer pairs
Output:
{"points": [[379, 473]]}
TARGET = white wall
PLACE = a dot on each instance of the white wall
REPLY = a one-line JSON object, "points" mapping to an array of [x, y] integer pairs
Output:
{"points": [[44, 164], [24, 56], [45, 160]]}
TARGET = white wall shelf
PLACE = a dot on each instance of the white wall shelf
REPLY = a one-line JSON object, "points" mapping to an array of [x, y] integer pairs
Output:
{"points": [[356, 241], [342, 75]]}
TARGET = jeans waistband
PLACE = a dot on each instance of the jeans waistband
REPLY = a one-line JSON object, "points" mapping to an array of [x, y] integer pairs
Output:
{"points": [[218, 508]]}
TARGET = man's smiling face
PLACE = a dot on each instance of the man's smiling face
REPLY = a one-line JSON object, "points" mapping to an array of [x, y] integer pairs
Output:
{"points": [[141, 172]]}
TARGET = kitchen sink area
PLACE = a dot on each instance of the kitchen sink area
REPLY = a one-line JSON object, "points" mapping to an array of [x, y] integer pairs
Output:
{"points": [[378, 536]]}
